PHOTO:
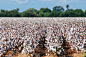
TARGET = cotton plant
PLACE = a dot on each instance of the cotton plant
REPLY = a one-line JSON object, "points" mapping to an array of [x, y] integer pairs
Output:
{"points": [[58, 41]]}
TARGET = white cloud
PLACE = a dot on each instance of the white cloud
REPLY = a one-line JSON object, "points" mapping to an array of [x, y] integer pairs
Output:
{"points": [[59, 2], [7, 2], [63, 2], [20, 1], [46, 0]]}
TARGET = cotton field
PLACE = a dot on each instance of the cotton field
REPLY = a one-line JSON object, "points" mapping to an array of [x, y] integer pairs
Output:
{"points": [[25, 32]]}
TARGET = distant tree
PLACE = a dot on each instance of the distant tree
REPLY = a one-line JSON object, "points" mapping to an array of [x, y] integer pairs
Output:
{"points": [[22, 13], [29, 14], [46, 14], [2, 10], [69, 10], [67, 6], [78, 13], [78, 10], [41, 14], [85, 13], [85, 10], [33, 11], [3, 14], [54, 14], [45, 10], [63, 14], [70, 14], [17, 9], [58, 9]]}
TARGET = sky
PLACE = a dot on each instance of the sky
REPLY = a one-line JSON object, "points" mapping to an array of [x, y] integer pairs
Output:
{"points": [[23, 5]]}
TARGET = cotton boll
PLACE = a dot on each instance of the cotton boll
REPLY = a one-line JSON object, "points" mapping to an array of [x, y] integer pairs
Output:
{"points": [[32, 55], [19, 48], [1, 54], [48, 54], [23, 51]]}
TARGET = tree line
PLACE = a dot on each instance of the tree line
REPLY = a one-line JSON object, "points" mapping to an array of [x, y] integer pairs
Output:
{"points": [[58, 11]]}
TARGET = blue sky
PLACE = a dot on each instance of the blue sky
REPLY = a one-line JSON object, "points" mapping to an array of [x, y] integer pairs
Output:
{"points": [[37, 4]]}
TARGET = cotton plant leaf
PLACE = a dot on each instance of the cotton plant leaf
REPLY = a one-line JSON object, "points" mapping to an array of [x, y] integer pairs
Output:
{"points": [[58, 48]]}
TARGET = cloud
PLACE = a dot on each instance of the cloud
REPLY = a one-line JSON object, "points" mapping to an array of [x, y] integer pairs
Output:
{"points": [[17, 1], [23, 1], [46, 0], [63, 2], [7, 2], [59, 2], [20, 1]]}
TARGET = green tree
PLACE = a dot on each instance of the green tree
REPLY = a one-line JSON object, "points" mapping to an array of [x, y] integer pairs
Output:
{"points": [[70, 14], [29, 14], [45, 10], [46, 14], [69, 10], [33, 11], [22, 14], [78, 10], [41, 14], [54, 14], [78, 13], [58, 9], [63, 14], [85, 13], [17, 9], [67, 6], [2, 10]]}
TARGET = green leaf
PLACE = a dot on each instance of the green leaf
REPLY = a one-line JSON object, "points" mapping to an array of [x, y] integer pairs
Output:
{"points": [[55, 34], [83, 51], [10, 37], [78, 48], [58, 49], [56, 55]]}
